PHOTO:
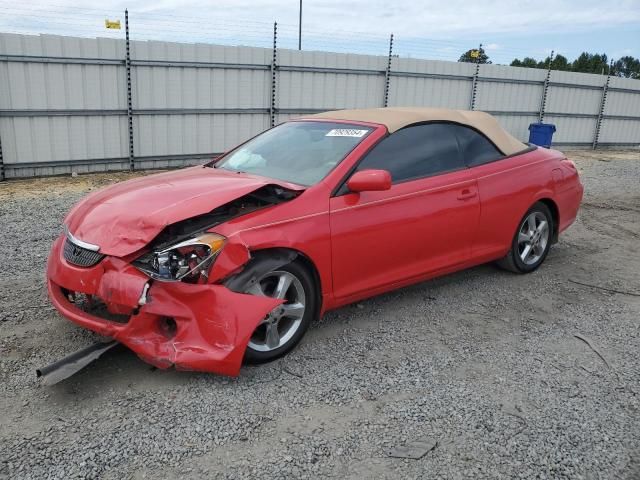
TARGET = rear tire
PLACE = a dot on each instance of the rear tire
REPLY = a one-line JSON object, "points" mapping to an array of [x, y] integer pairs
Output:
{"points": [[531, 242], [283, 328]]}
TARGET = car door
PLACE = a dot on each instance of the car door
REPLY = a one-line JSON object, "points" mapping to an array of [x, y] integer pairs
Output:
{"points": [[424, 223]]}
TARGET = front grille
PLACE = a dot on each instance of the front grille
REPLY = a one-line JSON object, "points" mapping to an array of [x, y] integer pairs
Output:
{"points": [[80, 256]]}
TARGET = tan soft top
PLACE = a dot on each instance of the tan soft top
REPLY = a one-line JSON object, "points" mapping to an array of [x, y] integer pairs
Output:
{"points": [[395, 118]]}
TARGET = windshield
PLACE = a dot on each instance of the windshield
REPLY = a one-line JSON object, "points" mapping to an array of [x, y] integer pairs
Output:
{"points": [[296, 152]]}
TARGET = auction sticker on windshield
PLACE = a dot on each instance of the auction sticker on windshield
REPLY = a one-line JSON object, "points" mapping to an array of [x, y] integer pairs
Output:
{"points": [[346, 132]]}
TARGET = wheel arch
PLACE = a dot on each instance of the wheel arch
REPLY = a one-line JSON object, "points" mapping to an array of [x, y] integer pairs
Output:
{"points": [[274, 257], [555, 216], [301, 257], [508, 262]]}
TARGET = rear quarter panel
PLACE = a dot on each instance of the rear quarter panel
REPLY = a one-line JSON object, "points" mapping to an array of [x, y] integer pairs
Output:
{"points": [[507, 189], [569, 191]]}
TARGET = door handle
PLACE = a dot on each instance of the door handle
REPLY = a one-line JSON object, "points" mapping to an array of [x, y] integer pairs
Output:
{"points": [[466, 194]]}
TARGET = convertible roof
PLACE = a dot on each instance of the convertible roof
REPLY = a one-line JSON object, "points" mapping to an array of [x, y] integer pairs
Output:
{"points": [[395, 118]]}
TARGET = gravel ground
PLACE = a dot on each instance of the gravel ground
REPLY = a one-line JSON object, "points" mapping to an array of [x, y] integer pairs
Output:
{"points": [[483, 361]]}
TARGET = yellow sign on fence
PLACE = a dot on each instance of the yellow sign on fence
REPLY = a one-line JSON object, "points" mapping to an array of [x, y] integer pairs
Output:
{"points": [[115, 24]]}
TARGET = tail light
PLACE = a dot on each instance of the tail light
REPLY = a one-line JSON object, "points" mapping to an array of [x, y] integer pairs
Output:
{"points": [[569, 164]]}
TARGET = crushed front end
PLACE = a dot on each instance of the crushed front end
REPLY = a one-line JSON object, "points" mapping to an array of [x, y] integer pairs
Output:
{"points": [[192, 324]]}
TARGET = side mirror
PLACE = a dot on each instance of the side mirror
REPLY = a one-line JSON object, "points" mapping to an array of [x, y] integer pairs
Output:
{"points": [[369, 181]]}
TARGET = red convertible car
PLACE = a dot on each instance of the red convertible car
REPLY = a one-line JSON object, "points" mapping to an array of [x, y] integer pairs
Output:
{"points": [[203, 267]]}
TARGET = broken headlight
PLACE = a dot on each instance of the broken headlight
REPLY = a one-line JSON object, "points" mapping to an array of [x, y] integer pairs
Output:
{"points": [[186, 261]]}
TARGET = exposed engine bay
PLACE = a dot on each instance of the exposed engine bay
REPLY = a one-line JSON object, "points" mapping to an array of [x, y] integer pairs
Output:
{"points": [[263, 197], [182, 252]]}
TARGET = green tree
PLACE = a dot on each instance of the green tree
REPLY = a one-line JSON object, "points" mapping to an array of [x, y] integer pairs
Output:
{"points": [[560, 62], [591, 63], [469, 58], [627, 66], [527, 62]]}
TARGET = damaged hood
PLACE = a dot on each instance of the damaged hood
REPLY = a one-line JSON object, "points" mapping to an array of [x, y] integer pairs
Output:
{"points": [[125, 217]]}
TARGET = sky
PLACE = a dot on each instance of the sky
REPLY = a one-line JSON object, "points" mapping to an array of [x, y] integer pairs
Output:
{"points": [[422, 29]]}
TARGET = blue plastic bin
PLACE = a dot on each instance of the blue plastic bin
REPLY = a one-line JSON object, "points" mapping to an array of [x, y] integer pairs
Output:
{"points": [[541, 134]]}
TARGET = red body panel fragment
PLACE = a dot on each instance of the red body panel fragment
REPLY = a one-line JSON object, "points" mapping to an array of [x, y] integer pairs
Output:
{"points": [[232, 258]]}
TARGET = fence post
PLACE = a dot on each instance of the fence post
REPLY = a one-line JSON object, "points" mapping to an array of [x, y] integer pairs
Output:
{"points": [[474, 85], [387, 76], [300, 28], [545, 90], [1, 163], [603, 102], [274, 66], [127, 63]]}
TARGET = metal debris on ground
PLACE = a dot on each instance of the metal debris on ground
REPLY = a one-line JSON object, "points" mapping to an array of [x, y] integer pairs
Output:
{"points": [[414, 450], [610, 290], [592, 347], [58, 371]]}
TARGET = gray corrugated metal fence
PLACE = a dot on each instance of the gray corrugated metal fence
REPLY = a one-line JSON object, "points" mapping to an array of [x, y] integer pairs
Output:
{"points": [[64, 100]]}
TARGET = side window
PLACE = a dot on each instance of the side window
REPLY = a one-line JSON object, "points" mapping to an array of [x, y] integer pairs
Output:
{"points": [[476, 148], [416, 152]]}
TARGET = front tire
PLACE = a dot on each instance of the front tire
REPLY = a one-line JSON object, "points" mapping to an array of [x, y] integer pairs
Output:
{"points": [[531, 241], [282, 329]]}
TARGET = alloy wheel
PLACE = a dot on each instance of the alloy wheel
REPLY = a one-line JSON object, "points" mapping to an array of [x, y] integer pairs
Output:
{"points": [[281, 324], [533, 238]]}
